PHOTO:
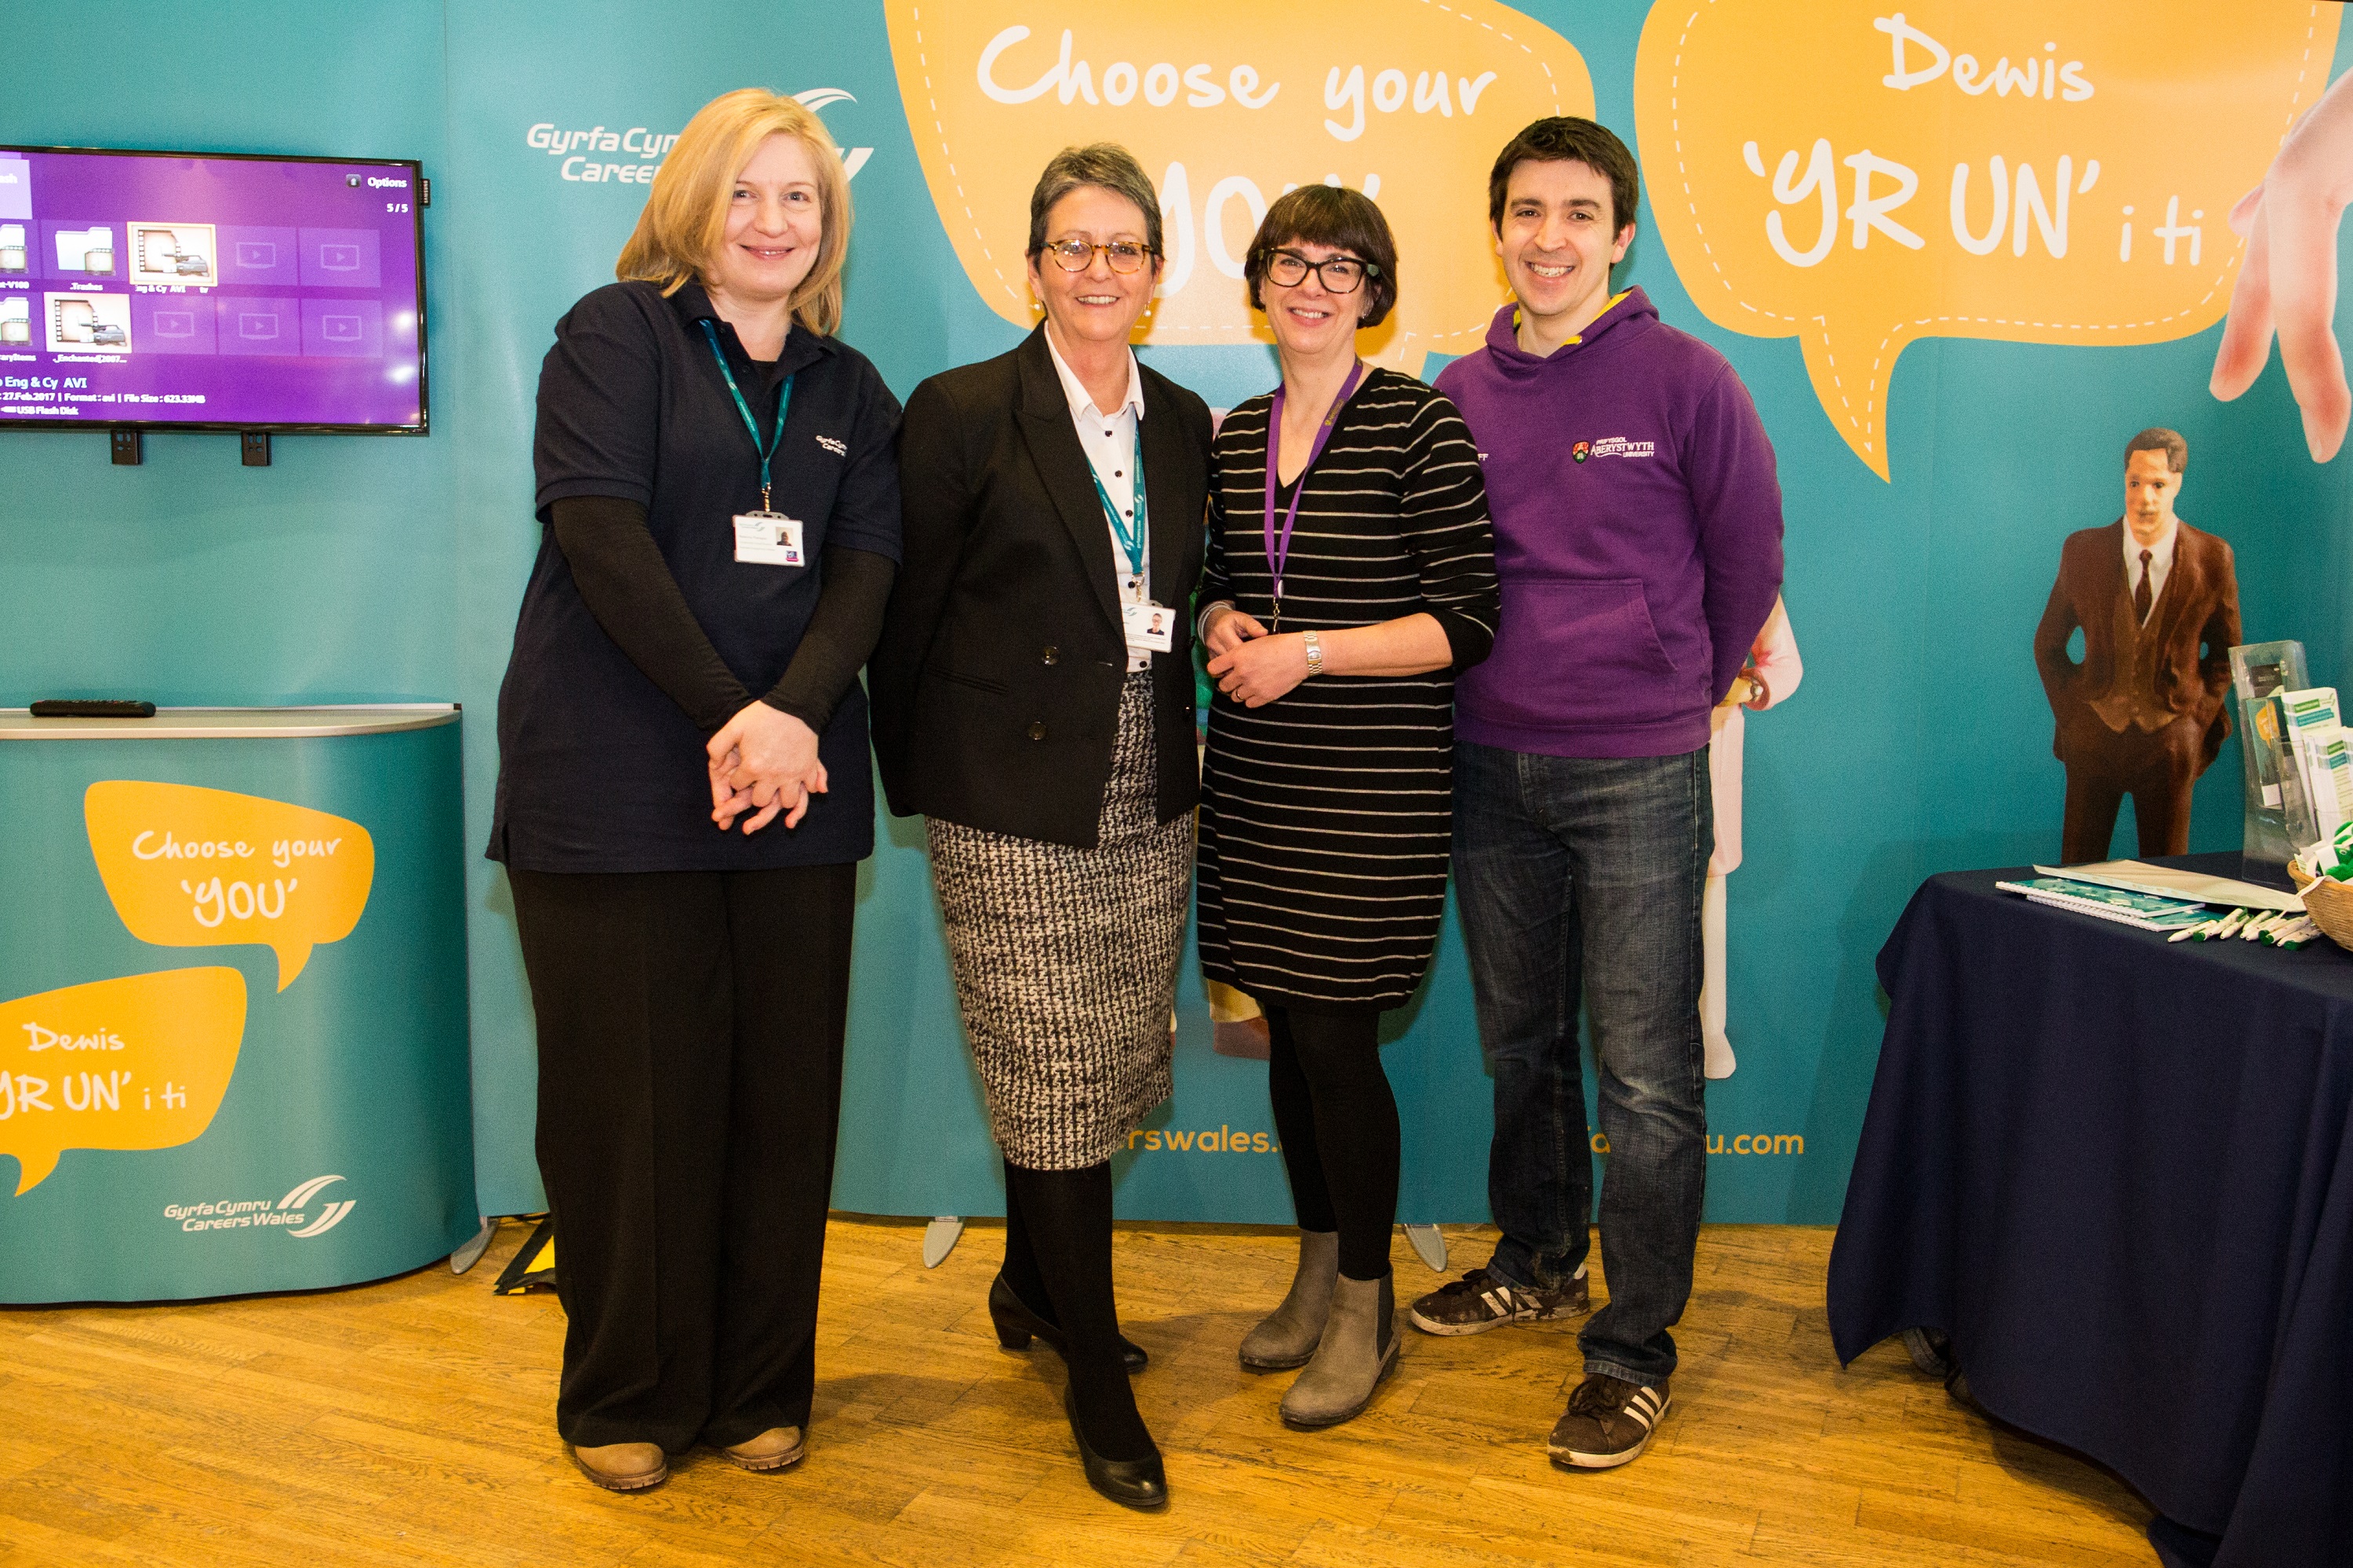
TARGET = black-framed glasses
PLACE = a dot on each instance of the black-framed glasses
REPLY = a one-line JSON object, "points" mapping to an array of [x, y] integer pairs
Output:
{"points": [[1077, 255], [1340, 274]]}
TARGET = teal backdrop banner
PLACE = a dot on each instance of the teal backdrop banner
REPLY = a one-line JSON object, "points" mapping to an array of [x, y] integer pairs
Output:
{"points": [[1928, 480], [238, 1136]]}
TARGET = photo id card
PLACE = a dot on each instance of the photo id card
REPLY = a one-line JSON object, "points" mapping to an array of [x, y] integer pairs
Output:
{"points": [[1151, 628], [768, 539]]}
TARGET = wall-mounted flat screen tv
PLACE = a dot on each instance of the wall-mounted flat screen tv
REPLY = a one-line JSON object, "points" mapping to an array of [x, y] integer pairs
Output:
{"points": [[208, 291]]}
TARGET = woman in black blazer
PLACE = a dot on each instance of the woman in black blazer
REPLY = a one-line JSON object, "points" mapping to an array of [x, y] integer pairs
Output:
{"points": [[1027, 705]]}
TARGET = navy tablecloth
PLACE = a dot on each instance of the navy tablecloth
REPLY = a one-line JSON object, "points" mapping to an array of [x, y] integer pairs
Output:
{"points": [[2119, 1174]]}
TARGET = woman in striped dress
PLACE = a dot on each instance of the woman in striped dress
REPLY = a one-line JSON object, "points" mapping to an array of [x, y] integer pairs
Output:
{"points": [[1342, 590]]}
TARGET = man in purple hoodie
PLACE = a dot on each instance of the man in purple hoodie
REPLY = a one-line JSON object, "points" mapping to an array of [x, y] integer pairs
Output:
{"points": [[1638, 536]]}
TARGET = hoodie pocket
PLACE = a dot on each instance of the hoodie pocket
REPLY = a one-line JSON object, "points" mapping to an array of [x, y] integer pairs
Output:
{"points": [[1581, 650]]}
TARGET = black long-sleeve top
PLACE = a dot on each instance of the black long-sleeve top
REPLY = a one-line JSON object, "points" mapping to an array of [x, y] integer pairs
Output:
{"points": [[641, 633]]}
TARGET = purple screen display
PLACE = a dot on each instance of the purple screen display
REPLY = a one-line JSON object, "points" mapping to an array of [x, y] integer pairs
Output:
{"points": [[139, 289]]}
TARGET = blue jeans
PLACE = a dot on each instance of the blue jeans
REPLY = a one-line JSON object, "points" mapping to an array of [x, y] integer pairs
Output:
{"points": [[1580, 880]]}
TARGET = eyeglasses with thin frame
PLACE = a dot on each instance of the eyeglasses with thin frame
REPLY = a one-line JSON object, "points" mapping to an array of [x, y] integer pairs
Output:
{"points": [[1077, 255], [1339, 274]]}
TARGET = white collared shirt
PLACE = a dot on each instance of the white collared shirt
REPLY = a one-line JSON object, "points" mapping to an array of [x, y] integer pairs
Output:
{"points": [[1110, 443], [2160, 562]]}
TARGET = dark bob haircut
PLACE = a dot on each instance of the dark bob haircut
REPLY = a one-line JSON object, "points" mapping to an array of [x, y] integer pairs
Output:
{"points": [[1569, 140], [1333, 216]]}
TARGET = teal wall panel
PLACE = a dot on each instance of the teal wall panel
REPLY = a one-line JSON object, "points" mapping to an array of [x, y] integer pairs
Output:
{"points": [[365, 568]]}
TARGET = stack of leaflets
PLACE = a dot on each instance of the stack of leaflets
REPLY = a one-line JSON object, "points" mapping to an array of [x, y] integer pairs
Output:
{"points": [[2144, 911], [2315, 739]]}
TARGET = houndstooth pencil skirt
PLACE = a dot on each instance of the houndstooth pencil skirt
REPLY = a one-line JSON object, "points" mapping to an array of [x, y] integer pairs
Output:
{"points": [[1065, 960]]}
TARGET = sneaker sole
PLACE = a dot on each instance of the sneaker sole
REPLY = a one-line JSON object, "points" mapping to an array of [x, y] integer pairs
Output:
{"points": [[1456, 1331], [1570, 1459]]}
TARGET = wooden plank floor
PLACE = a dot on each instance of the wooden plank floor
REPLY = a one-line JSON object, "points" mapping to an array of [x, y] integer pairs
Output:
{"points": [[411, 1422]]}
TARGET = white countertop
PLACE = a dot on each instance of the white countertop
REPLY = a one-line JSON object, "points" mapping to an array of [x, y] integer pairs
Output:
{"points": [[233, 724]]}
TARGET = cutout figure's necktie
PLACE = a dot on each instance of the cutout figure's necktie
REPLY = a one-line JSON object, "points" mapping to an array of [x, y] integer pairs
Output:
{"points": [[2141, 596]]}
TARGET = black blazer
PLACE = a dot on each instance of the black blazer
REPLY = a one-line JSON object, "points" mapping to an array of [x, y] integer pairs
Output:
{"points": [[996, 683]]}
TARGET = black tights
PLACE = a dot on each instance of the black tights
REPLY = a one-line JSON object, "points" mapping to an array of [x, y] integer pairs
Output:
{"points": [[1058, 1260], [1338, 1123]]}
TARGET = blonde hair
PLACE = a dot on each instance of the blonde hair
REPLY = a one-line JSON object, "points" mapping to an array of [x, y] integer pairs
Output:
{"points": [[686, 217]]}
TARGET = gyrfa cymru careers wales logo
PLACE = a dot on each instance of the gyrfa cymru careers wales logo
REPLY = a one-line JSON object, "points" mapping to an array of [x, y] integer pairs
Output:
{"points": [[598, 154], [142, 1062], [294, 1214]]}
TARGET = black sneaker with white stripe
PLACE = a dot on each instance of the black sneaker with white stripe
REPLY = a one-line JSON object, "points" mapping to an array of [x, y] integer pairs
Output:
{"points": [[1480, 1301], [1608, 1423]]}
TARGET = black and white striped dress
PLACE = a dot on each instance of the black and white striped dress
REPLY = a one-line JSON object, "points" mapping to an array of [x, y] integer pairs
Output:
{"points": [[1326, 815]]}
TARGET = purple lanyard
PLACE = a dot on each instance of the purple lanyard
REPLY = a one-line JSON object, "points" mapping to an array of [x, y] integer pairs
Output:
{"points": [[1278, 549]]}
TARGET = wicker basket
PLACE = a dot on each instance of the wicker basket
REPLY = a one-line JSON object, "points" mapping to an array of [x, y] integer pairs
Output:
{"points": [[2329, 903]]}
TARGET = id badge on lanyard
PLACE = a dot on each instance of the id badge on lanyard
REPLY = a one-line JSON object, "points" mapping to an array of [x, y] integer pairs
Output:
{"points": [[1151, 628], [766, 537], [1147, 628]]}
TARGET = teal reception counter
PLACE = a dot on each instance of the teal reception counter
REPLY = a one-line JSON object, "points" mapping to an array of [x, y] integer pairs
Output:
{"points": [[233, 1035]]}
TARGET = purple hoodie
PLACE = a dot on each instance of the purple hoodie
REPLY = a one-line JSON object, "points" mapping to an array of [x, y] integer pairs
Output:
{"points": [[1638, 536]]}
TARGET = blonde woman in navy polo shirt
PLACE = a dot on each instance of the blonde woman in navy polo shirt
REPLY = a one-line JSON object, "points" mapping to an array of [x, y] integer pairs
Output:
{"points": [[718, 477]]}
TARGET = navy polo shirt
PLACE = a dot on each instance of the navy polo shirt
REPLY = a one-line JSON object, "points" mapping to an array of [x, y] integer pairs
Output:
{"points": [[599, 770]]}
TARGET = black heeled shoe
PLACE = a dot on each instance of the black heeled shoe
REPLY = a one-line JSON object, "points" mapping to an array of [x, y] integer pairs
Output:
{"points": [[1016, 1326], [1132, 1483]]}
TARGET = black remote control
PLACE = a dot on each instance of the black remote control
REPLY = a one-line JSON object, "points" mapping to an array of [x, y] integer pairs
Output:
{"points": [[91, 708]]}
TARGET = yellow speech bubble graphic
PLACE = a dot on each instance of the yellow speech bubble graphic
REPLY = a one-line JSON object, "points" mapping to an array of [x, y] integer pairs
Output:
{"points": [[1858, 177], [1227, 106], [189, 867], [136, 1063]]}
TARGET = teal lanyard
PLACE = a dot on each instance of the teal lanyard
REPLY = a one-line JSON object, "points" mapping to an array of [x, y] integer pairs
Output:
{"points": [[784, 401], [1130, 535]]}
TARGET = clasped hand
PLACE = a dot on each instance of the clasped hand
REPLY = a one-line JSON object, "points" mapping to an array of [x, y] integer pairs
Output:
{"points": [[763, 761], [1249, 664]]}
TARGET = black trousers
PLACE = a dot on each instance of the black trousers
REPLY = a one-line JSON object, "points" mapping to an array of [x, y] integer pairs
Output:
{"points": [[689, 1085]]}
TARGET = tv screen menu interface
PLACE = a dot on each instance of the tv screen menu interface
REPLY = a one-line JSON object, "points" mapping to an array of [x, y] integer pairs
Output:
{"points": [[157, 290]]}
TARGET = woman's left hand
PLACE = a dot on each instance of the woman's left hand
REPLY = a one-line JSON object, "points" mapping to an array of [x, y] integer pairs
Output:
{"points": [[764, 760], [1261, 668]]}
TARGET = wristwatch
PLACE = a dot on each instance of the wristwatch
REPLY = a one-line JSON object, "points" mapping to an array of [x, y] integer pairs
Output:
{"points": [[1315, 652]]}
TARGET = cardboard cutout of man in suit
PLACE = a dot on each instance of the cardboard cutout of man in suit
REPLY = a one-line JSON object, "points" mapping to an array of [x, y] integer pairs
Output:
{"points": [[2145, 712]]}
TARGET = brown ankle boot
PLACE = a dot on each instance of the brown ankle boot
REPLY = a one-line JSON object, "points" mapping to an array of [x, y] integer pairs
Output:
{"points": [[622, 1466], [771, 1450]]}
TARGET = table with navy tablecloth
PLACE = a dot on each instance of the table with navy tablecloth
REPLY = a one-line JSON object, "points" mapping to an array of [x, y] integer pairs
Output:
{"points": [[2118, 1174]]}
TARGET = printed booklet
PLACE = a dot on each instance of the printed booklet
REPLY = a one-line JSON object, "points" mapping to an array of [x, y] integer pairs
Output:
{"points": [[2137, 909]]}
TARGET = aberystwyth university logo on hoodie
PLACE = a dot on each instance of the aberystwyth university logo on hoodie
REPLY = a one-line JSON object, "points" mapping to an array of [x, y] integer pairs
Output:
{"points": [[1613, 445]]}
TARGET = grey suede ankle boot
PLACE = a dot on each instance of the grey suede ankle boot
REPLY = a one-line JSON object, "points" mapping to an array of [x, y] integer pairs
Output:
{"points": [[1359, 1348], [1287, 1337]]}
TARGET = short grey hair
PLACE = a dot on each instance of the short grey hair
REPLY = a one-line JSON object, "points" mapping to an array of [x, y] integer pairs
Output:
{"points": [[1105, 164]]}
